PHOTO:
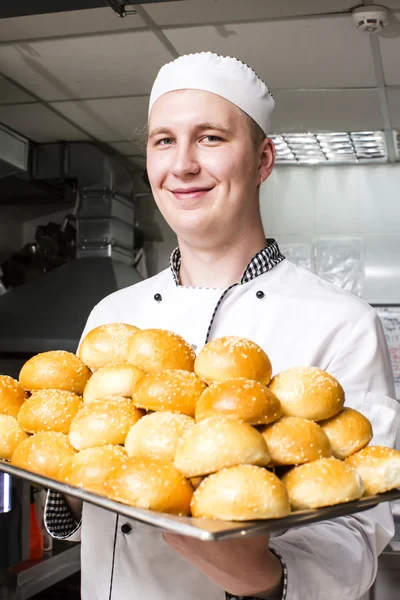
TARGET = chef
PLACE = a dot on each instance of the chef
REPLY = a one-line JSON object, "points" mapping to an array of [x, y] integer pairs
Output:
{"points": [[208, 153]]}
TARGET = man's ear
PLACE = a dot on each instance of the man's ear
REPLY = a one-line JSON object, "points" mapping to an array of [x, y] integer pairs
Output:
{"points": [[267, 159]]}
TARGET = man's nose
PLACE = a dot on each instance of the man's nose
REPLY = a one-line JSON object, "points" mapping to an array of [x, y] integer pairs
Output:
{"points": [[185, 160]]}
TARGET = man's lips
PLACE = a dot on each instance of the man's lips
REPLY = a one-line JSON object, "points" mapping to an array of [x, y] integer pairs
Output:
{"points": [[192, 192]]}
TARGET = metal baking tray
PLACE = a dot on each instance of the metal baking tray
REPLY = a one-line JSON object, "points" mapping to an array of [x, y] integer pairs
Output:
{"points": [[204, 529]]}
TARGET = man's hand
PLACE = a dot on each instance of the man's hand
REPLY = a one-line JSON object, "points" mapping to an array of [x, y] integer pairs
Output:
{"points": [[240, 566]]}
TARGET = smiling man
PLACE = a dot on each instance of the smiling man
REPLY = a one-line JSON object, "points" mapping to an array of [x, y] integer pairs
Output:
{"points": [[208, 153], [201, 172]]}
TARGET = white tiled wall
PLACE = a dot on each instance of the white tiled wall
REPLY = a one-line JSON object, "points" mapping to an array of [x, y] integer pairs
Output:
{"points": [[302, 203]]}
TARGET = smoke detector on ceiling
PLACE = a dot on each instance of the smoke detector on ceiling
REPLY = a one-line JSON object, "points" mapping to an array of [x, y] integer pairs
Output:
{"points": [[371, 18]]}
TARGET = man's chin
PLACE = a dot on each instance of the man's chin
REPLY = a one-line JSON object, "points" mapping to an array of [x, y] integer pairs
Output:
{"points": [[195, 231]]}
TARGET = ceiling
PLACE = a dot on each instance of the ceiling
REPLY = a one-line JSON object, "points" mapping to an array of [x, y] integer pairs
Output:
{"points": [[87, 74]]}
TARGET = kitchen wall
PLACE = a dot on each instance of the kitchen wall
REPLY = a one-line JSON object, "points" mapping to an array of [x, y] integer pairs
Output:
{"points": [[300, 204]]}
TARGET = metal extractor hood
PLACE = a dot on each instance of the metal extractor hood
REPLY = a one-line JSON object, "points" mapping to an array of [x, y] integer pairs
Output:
{"points": [[50, 312]]}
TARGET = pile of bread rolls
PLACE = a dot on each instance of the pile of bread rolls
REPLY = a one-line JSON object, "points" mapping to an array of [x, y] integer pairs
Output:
{"points": [[136, 416]]}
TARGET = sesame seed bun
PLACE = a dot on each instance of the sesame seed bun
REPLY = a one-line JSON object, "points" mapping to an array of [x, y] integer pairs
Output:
{"points": [[216, 443], [89, 468], [348, 432], [153, 350], [102, 423], [11, 435], [43, 453], [243, 399], [106, 344], [379, 468], [230, 357], [308, 392], [12, 396], [156, 435], [116, 379], [324, 482], [152, 484], [241, 493], [294, 441], [55, 370], [49, 410], [170, 390]]}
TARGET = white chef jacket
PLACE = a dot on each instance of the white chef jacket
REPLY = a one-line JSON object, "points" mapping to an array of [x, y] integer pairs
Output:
{"points": [[298, 319]]}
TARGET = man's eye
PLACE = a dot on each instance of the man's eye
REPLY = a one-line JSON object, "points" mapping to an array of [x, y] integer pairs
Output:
{"points": [[213, 138], [165, 142]]}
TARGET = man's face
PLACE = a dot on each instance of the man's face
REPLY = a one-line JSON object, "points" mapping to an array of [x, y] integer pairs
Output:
{"points": [[203, 165]]}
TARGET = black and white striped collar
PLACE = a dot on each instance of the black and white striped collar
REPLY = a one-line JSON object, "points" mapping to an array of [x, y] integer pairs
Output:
{"points": [[263, 261]]}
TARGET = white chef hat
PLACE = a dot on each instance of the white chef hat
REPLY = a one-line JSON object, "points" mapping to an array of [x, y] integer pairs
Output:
{"points": [[222, 75]]}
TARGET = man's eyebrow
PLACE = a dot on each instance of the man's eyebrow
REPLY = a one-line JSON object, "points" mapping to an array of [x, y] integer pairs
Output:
{"points": [[200, 127], [158, 131], [214, 126]]}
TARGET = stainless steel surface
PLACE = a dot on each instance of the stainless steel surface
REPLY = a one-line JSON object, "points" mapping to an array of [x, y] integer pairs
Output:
{"points": [[204, 529], [27, 579], [105, 225], [49, 313]]}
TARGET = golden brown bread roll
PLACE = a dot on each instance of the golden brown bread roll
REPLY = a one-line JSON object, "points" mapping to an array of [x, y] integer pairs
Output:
{"points": [[156, 435], [170, 390], [348, 432], [308, 392], [54, 370], [102, 423], [106, 344], [115, 379], [294, 441], [11, 435], [219, 442], [379, 468], [324, 482], [243, 399], [89, 468], [153, 350], [241, 493], [230, 357], [150, 483], [43, 453], [12, 396], [49, 410]]}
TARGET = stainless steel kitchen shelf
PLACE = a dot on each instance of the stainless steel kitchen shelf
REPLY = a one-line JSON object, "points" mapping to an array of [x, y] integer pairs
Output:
{"points": [[28, 578], [205, 529]]}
